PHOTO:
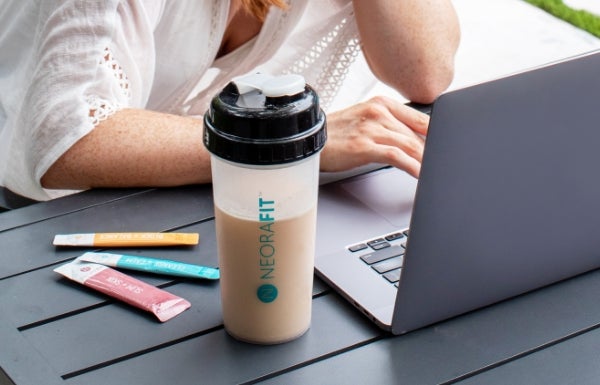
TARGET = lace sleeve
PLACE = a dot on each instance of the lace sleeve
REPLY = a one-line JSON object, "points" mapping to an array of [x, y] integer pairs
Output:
{"points": [[101, 108], [322, 48], [78, 63], [326, 63]]}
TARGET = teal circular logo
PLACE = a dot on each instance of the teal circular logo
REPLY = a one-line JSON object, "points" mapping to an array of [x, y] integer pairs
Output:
{"points": [[266, 293]]}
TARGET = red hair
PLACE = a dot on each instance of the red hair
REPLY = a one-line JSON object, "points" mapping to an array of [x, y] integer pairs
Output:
{"points": [[259, 8]]}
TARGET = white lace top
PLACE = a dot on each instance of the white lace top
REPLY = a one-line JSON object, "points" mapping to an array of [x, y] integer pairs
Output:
{"points": [[67, 65]]}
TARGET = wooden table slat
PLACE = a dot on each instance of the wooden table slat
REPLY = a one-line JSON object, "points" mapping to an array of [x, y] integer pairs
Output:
{"points": [[65, 205], [26, 249], [117, 329], [466, 344], [216, 358], [574, 361], [21, 363]]}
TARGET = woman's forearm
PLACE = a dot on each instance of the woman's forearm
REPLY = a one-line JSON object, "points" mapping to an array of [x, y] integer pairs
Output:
{"points": [[134, 148], [410, 44]]}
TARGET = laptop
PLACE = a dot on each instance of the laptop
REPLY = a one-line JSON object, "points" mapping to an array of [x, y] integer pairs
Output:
{"points": [[508, 201]]}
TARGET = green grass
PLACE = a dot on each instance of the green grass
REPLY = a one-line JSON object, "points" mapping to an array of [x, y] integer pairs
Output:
{"points": [[579, 18]]}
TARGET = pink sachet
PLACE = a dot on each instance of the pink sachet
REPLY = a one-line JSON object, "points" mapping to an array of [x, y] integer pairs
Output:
{"points": [[161, 303]]}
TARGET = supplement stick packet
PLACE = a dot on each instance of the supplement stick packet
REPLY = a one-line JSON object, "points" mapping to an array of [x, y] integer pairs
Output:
{"points": [[151, 265], [111, 282], [127, 239]]}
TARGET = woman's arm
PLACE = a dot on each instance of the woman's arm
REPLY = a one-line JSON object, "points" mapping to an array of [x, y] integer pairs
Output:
{"points": [[134, 148], [410, 44]]}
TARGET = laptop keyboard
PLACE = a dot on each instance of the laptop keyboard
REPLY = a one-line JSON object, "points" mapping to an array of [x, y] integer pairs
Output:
{"points": [[383, 254]]}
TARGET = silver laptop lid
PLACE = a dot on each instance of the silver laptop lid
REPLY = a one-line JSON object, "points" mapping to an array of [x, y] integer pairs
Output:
{"points": [[508, 198]]}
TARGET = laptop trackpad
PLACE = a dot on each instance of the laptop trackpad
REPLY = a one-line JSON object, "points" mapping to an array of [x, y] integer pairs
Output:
{"points": [[389, 192]]}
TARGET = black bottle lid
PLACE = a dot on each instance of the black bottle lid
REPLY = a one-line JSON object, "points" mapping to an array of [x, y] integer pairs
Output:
{"points": [[265, 120]]}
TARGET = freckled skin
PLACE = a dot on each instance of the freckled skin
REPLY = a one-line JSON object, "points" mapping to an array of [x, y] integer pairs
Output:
{"points": [[135, 148]]}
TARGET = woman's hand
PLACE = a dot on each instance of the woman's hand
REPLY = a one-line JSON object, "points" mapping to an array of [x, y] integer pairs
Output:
{"points": [[380, 130]]}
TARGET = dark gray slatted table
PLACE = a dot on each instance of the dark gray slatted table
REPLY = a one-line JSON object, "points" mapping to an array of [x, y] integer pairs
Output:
{"points": [[53, 331]]}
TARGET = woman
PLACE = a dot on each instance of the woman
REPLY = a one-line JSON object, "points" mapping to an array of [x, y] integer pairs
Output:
{"points": [[109, 93]]}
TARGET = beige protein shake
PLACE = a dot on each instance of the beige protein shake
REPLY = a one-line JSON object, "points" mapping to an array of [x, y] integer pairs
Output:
{"points": [[270, 269]]}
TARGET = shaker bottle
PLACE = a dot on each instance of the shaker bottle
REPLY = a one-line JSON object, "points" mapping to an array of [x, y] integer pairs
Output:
{"points": [[264, 134]]}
